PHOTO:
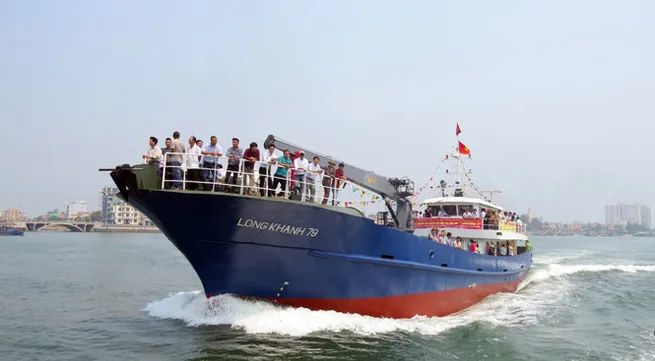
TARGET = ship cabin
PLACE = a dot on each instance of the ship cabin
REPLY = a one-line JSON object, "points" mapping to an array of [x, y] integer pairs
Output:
{"points": [[472, 219]]}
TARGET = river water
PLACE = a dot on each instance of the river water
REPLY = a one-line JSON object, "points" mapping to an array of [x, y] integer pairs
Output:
{"points": [[77, 296]]}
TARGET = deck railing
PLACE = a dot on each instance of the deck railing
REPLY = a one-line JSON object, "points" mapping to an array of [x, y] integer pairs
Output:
{"points": [[255, 178], [474, 223]]}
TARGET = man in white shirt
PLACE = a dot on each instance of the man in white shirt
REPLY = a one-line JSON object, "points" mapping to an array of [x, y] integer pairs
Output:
{"points": [[220, 173], [503, 250], [442, 213], [313, 170], [300, 165], [265, 174], [483, 214], [519, 225], [192, 165], [154, 154], [449, 239]]}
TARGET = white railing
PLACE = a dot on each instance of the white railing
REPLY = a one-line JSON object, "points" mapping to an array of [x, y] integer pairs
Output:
{"points": [[256, 178], [486, 223]]}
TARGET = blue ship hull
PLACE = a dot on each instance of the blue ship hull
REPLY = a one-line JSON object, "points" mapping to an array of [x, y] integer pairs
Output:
{"points": [[320, 257], [11, 232]]}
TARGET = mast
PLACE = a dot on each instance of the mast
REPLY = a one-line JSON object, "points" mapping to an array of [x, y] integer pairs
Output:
{"points": [[458, 191], [459, 157]]}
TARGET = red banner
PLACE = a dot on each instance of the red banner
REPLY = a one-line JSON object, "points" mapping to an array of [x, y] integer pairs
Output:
{"points": [[465, 223]]}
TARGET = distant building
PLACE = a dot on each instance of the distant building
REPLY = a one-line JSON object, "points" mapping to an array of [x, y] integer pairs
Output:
{"points": [[55, 214], [115, 211], [12, 215], [75, 209], [623, 214], [125, 214], [107, 201], [529, 214]]}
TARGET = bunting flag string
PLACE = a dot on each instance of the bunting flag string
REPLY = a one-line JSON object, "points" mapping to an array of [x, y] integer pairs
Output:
{"points": [[362, 193], [430, 183], [476, 188]]}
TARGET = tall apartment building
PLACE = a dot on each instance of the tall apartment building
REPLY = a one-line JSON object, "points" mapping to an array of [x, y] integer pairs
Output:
{"points": [[115, 211], [12, 215], [75, 209], [107, 200], [622, 214]]}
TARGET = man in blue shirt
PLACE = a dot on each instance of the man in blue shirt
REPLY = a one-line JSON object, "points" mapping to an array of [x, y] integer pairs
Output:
{"points": [[280, 176], [211, 152]]}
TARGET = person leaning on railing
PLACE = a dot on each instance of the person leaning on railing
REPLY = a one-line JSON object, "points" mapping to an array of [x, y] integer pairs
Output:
{"points": [[328, 181], [300, 166], [251, 155], [313, 170], [265, 177], [234, 154], [280, 176], [210, 153]]}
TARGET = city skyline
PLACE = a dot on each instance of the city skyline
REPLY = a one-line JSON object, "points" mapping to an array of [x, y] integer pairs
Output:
{"points": [[107, 200], [621, 214]]}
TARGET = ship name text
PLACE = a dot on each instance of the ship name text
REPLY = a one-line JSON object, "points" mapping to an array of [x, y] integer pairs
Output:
{"points": [[277, 227]]}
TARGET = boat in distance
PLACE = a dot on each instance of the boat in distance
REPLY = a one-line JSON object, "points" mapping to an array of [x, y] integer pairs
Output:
{"points": [[253, 241], [11, 231]]}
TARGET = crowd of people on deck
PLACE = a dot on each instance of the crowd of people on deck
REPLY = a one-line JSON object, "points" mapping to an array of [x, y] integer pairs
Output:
{"points": [[491, 217], [502, 248], [265, 173], [472, 212]]}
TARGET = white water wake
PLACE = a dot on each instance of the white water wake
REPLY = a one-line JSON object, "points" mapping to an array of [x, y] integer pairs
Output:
{"points": [[545, 290]]}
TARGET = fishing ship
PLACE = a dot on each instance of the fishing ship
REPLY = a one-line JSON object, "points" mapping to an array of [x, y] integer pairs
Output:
{"points": [[11, 231], [295, 250]]}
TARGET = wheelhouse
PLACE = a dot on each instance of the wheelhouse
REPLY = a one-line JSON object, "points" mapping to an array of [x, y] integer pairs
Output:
{"points": [[458, 206]]}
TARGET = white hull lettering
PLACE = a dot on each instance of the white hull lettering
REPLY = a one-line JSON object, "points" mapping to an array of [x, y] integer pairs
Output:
{"points": [[277, 227]]}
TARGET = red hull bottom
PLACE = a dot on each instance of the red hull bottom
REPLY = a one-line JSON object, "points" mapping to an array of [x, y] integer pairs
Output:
{"points": [[430, 304]]}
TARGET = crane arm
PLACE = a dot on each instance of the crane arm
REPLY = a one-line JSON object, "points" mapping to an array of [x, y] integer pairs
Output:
{"points": [[364, 178]]}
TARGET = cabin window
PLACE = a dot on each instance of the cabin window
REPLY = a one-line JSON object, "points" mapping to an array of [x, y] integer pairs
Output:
{"points": [[450, 210]]}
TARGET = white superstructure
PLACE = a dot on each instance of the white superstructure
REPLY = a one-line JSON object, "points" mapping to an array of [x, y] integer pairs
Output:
{"points": [[462, 210]]}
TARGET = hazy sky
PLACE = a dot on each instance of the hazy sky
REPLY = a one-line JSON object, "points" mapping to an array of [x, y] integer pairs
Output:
{"points": [[555, 98]]}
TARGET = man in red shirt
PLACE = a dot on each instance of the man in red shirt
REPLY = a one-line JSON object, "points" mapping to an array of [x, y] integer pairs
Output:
{"points": [[293, 172], [340, 179], [251, 155]]}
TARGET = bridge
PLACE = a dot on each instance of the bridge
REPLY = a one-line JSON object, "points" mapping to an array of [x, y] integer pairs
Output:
{"points": [[72, 226]]}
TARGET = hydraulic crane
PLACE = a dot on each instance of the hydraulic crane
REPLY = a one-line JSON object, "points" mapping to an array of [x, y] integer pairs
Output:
{"points": [[394, 191]]}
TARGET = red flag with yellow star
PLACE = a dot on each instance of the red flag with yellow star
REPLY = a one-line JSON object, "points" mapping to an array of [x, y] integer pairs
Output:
{"points": [[463, 149]]}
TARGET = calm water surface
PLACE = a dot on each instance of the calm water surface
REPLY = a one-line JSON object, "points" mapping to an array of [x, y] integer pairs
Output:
{"points": [[75, 296]]}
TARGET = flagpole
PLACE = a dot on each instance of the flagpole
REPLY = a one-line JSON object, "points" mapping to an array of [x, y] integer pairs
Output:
{"points": [[459, 155]]}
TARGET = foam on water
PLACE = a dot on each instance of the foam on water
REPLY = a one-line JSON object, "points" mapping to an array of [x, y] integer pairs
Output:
{"points": [[545, 288]]}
